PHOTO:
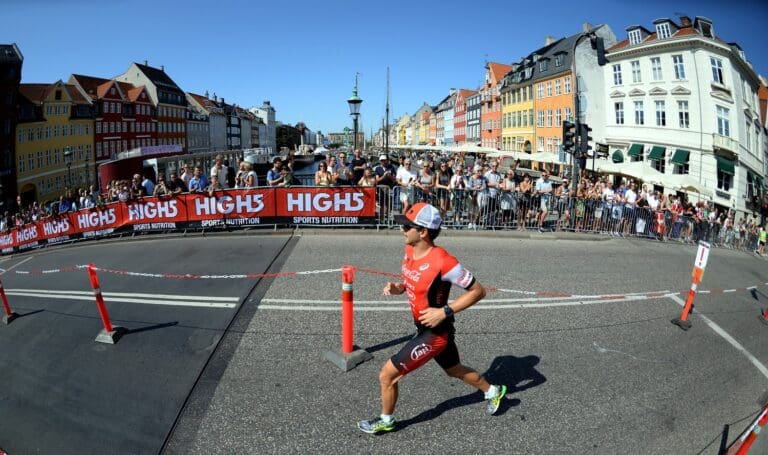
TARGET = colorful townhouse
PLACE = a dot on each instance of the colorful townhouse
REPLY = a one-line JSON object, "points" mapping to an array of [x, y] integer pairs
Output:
{"points": [[460, 116], [54, 141], [169, 101], [473, 118], [517, 108], [421, 130], [124, 117], [445, 113], [490, 104]]}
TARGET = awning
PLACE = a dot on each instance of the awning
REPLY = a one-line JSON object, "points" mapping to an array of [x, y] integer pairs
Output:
{"points": [[680, 157], [657, 153], [617, 157], [636, 150], [725, 165]]}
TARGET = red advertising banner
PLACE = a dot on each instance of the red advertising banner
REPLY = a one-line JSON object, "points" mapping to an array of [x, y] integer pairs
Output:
{"points": [[336, 205], [155, 213], [231, 208]]}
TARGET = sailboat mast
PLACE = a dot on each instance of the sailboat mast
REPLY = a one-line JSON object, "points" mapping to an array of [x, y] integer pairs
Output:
{"points": [[386, 125]]}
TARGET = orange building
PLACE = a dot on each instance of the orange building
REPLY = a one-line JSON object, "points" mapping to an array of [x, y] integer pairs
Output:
{"points": [[490, 104]]}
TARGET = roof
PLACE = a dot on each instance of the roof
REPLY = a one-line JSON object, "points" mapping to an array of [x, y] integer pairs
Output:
{"points": [[681, 31], [89, 84], [75, 94], [35, 93], [134, 92], [498, 70], [563, 46], [159, 77], [10, 53], [206, 103]]}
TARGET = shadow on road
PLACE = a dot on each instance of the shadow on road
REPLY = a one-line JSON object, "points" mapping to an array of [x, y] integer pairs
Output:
{"points": [[518, 373]]}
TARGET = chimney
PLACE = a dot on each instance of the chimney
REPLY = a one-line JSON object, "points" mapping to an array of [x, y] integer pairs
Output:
{"points": [[146, 62], [586, 27], [162, 67], [215, 98], [222, 100], [266, 103], [549, 39], [685, 21], [206, 94]]}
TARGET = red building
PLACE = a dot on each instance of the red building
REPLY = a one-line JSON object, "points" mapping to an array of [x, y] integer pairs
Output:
{"points": [[124, 115], [490, 117], [460, 116]]}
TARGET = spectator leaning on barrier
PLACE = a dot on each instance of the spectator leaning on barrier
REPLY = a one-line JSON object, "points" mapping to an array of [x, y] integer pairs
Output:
{"points": [[198, 181], [406, 177], [359, 165], [442, 186], [493, 179], [458, 188], [214, 185], [220, 170], [367, 179], [176, 184], [385, 172], [275, 176], [343, 171], [149, 187], [323, 176], [478, 185], [186, 174], [544, 191]]}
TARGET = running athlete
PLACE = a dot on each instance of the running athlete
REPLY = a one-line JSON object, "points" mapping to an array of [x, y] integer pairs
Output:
{"points": [[428, 273]]}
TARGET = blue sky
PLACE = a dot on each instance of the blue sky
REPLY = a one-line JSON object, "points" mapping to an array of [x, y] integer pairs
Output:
{"points": [[303, 55]]}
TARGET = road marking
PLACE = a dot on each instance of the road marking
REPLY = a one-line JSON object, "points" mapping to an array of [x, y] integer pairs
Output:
{"points": [[15, 265], [151, 299], [498, 304], [719, 330]]}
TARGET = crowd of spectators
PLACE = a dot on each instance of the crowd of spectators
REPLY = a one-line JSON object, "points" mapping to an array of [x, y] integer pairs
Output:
{"points": [[471, 193]]}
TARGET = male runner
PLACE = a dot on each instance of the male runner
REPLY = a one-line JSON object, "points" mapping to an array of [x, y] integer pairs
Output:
{"points": [[428, 272]]}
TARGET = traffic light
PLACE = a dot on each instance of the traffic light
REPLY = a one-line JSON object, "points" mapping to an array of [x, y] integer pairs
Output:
{"points": [[569, 137], [584, 139]]}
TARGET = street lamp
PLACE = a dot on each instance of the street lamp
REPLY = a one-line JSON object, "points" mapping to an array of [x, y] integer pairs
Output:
{"points": [[354, 102], [68, 159]]}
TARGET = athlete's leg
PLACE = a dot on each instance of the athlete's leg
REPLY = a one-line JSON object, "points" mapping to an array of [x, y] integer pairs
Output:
{"points": [[388, 378], [469, 376]]}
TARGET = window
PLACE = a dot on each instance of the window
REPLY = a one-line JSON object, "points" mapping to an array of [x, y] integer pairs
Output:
{"points": [[567, 84], [662, 30], [39, 133], [31, 162], [559, 117], [723, 121], [21, 163], [568, 115], [559, 60], [748, 135], [47, 157], [31, 135], [20, 138], [635, 37], [549, 144], [549, 88], [679, 67], [540, 121], [639, 113], [98, 127], [530, 92], [617, 74], [636, 77], [656, 68], [724, 180], [39, 159], [683, 116], [557, 87], [717, 70], [543, 65], [619, 108], [549, 117], [541, 144], [661, 114], [540, 91]]}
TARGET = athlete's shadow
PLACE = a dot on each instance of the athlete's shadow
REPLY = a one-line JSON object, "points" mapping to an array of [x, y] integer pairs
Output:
{"points": [[517, 373]]}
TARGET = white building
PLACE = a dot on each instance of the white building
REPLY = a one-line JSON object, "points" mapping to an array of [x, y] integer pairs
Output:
{"points": [[267, 115], [686, 102]]}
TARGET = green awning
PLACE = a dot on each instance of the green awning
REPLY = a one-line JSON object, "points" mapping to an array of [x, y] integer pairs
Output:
{"points": [[657, 153], [617, 157], [680, 157], [636, 150], [725, 165]]}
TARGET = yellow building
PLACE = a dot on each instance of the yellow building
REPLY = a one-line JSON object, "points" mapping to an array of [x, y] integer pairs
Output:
{"points": [[517, 108], [54, 140], [402, 126]]}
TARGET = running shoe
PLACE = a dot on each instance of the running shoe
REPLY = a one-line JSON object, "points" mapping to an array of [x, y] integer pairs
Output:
{"points": [[378, 425], [494, 402]]}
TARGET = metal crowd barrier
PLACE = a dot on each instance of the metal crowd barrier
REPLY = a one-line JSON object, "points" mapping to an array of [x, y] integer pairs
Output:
{"points": [[500, 210]]}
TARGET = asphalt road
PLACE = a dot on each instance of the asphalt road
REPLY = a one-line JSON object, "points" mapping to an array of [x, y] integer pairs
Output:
{"points": [[587, 373]]}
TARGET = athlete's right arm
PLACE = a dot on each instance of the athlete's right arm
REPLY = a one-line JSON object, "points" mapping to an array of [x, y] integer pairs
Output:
{"points": [[394, 288]]}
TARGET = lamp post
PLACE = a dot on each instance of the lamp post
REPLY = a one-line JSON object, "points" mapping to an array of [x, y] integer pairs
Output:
{"points": [[68, 159], [354, 102]]}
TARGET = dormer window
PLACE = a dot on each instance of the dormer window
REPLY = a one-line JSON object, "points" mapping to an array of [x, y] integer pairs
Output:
{"points": [[543, 65], [635, 37], [706, 29], [559, 60], [662, 30]]}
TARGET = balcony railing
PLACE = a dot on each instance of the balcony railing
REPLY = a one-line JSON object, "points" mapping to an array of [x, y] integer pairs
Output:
{"points": [[725, 143]]}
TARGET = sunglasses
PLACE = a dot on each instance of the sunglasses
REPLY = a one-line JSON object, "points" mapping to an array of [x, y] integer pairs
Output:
{"points": [[408, 227]]}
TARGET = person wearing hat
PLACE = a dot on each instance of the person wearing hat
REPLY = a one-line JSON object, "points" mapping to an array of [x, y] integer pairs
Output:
{"points": [[428, 272]]}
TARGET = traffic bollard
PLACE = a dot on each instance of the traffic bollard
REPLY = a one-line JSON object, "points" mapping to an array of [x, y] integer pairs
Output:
{"points": [[350, 355], [9, 315], [110, 334]]}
